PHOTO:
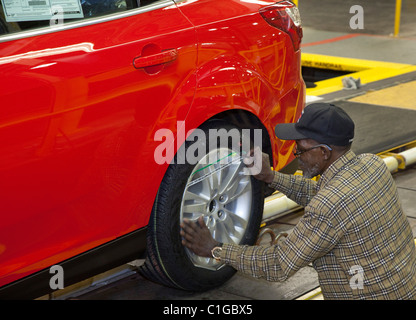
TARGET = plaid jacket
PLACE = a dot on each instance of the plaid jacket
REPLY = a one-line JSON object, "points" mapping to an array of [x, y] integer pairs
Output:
{"points": [[353, 231]]}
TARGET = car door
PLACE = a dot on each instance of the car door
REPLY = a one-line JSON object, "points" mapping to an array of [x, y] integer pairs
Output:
{"points": [[80, 101]]}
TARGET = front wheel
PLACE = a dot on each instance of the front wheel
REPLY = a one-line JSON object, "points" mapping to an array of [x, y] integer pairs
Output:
{"points": [[215, 187]]}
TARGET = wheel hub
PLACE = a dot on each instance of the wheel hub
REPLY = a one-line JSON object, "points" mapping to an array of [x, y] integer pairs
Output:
{"points": [[221, 193]]}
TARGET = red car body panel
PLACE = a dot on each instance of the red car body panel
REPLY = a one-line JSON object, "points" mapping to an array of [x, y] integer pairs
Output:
{"points": [[78, 119]]}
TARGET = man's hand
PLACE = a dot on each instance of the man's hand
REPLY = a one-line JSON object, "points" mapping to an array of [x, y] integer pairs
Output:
{"points": [[197, 237], [254, 160]]}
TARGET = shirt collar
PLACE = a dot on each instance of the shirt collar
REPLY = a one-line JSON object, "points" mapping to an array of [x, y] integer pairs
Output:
{"points": [[335, 167]]}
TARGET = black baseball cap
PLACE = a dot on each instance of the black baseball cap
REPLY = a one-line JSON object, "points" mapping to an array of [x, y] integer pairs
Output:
{"points": [[323, 122]]}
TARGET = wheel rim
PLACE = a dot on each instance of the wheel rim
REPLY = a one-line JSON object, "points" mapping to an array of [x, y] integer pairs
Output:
{"points": [[220, 191]]}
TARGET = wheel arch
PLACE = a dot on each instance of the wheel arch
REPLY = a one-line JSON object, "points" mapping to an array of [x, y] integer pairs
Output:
{"points": [[246, 120]]}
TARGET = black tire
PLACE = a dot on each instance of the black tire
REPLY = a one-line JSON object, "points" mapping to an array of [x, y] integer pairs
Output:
{"points": [[167, 261]]}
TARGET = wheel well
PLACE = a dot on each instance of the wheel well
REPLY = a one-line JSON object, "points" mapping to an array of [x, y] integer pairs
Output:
{"points": [[247, 120]]}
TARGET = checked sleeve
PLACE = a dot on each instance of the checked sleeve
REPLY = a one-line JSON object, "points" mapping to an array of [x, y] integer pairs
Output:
{"points": [[295, 187]]}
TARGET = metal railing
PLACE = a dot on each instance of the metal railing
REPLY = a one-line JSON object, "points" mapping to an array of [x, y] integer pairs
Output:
{"points": [[397, 17]]}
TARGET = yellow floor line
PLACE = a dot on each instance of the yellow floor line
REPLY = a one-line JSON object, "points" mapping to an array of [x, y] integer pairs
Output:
{"points": [[367, 70]]}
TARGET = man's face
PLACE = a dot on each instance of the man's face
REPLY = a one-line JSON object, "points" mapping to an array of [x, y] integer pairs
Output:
{"points": [[310, 162]]}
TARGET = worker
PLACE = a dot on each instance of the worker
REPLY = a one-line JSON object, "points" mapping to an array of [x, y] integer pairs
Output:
{"points": [[353, 230]]}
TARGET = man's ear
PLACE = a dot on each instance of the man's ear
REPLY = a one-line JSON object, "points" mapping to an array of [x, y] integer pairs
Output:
{"points": [[326, 153]]}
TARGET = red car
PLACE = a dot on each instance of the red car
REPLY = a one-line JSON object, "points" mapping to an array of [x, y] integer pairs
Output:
{"points": [[100, 99]]}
